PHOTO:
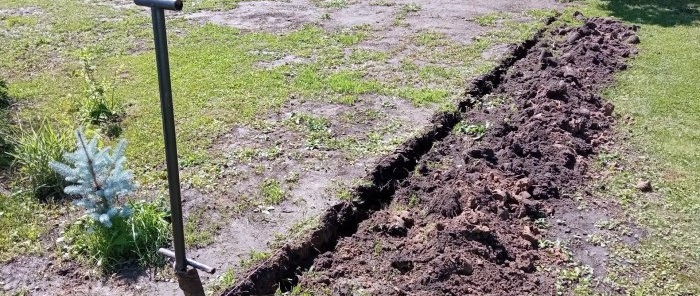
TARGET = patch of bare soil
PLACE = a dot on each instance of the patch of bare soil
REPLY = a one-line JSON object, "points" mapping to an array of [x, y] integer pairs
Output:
{"points": [[270, 16], [279, 151], [462, 221]]}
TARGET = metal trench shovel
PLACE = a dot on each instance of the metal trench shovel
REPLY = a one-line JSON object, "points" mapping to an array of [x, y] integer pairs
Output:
{"points": [[188, 278]]}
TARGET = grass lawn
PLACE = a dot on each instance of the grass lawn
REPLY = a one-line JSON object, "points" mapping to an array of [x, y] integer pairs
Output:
{"points": [[661, 92]]}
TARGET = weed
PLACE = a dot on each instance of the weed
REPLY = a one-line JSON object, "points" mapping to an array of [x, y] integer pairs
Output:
{"points": [[298, 290], [492, 101], [100, 106], [577, 278], [22, 222], [608, 224], [382, 3], [377, 248], [541, 223], [404, 11], [253, 258], [272, 192], [197, 232], [34, 148], [292, 177], [597, 239], [413, 200], [135, 239], [477, 131], [318, 130], [221, 283], [606, 158], [297, 230], [491, 19], [331, 3]]}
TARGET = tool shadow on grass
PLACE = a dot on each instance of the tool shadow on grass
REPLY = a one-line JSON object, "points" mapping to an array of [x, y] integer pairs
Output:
{"points": [[664, 13]]}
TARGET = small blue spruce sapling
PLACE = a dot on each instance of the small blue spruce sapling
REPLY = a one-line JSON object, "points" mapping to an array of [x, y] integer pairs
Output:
{"points": [[98, 177]]}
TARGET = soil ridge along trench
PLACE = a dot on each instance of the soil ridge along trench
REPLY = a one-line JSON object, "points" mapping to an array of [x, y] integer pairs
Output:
{"points": [[342, 219]]}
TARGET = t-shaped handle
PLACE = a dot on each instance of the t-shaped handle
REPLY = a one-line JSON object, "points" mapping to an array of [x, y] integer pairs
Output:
{"points": [[162, 4]]}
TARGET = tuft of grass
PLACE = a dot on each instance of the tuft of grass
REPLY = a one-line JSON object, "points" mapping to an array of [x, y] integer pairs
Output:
{"points": [[318, 130], [382, 3], [413, 200], [33, 148], [475, 130], [198, 231], [377, 248], [423, 96], [404, 11], [20, 20], [221, 283], [214, 5], [272, 192], [296, 231], [253, 258], [491, 19], [359, 56], [132, 240], [347, 82], [330, 3]]}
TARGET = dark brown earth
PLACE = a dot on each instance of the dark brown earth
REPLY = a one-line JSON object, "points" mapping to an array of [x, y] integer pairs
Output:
{"points": [[463, 220]]}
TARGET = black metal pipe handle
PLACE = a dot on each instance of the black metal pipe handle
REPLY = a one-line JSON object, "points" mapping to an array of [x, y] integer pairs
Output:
{"points": [[162, 4], [166, 103]]}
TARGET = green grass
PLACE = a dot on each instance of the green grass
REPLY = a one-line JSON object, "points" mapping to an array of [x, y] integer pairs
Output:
{"points": [[253, 258], [659, 91], [129, 240], [272, 192], [33, 147], [22, 221], [199, 233], [295, 232], [194, 5], [221, 283], [491, 19]]}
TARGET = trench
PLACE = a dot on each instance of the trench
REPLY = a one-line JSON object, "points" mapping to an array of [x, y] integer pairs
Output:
{"points": [[342, 220]]}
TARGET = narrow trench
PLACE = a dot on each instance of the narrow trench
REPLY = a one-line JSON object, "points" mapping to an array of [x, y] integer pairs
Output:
{"points": [[281, 270]]}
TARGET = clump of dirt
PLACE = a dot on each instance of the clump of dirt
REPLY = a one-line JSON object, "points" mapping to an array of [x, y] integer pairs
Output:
{"points": [[463, 221]]}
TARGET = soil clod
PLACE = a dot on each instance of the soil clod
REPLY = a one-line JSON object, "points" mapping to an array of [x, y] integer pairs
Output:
{"points": [[644, 186]]}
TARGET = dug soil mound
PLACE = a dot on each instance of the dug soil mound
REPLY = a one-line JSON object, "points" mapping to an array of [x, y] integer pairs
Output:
{"points": [[463, 222]]}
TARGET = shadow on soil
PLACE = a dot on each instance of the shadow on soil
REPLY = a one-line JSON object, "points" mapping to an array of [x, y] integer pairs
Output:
{"points": [[666, 13]]}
